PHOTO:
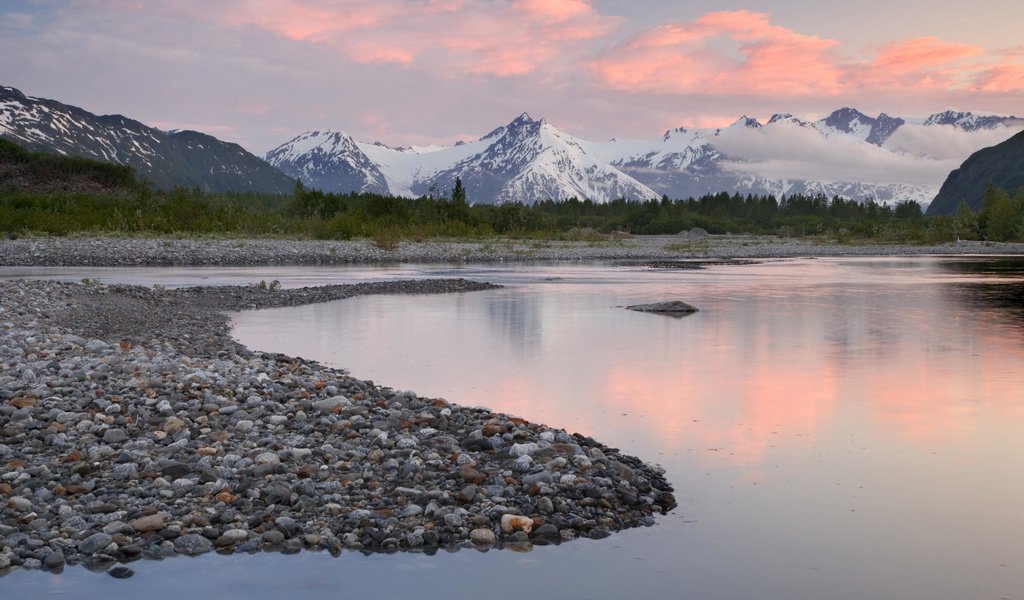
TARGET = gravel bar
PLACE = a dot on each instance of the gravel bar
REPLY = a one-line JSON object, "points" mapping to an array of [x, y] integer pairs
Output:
{"points": [[133, 426], [201, 252]]}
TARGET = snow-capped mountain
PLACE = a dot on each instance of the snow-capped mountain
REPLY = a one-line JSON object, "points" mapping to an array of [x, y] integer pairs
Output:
{"points": [[972, 122], [183, 158], [529, 160], [329, 160]]}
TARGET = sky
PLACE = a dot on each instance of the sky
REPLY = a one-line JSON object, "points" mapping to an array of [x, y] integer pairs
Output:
{"points": [[259, 72]]}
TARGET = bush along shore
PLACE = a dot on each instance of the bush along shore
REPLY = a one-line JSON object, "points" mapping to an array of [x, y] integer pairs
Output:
{"points": [[133, 426]]}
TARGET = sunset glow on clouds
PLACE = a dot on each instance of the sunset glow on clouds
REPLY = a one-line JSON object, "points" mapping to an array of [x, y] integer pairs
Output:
{"points": [[430, 68]]}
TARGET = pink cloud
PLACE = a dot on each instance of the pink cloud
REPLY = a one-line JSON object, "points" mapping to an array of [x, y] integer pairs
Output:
{"points": [[558, 10], [696, 58], [742, 53], [495, 38], [1005, 78], [925, 63]]}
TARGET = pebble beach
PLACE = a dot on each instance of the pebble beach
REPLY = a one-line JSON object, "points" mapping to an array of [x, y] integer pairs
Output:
{"points": [[132, 425]]}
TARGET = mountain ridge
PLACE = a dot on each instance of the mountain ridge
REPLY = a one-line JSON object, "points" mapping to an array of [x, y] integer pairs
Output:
{"points": [[1001, 165], [180, 158], [530, 159]]}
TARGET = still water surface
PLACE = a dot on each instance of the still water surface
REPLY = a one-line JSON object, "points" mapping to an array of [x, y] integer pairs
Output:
{"points": [[834, 428]]}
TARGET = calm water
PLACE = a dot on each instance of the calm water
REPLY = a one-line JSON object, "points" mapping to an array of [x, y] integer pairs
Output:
{"points": [[834, 428]]}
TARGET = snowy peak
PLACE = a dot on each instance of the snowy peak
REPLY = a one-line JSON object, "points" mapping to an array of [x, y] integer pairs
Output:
{"points": [[883, 127], [328, 160], [746, 121], [530, 160], [971, 122], [851, 122], [786, 118]]}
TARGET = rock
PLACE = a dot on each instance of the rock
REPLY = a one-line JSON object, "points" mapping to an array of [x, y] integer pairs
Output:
{"points": [[545, 506], [471, 475], [148, 523], [231, 537], [273, 537], [120, 572], [482, 536], [526, 449], [513, 523], [467, 494], [19, 504], [672, 307], [192, 544], [548, 532], [172, 424], [539, 477], [54, 560], [94, 543], [114, 436], [175, 469]]}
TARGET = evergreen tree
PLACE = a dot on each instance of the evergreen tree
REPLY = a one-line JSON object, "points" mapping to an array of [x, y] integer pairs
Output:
{"points": [[997, 218], [458, 192]]}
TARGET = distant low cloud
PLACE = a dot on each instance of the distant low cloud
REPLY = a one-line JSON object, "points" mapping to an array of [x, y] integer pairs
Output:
{"points": [[914, 154]]}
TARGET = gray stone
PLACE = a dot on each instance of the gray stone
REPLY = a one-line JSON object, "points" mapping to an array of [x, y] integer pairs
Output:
{"points": [[20, 504], [192, 544], [148, 523], [482, 536], [94, 543], [54, 560]]}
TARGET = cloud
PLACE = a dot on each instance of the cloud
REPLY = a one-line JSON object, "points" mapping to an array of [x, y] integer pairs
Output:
{"points": [[914, 154], [945, 142], [502, 39], [721, 53], [924, 63], [742, 53]]}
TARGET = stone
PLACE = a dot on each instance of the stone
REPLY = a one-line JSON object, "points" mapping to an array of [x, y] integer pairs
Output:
{"points": [[192, 544], [471, 475], [513, 523], [232, 537], [539, 477], [148, 523], [172, 424], [94, 543], [547, 531], [19, 504], [672, 307], [545, 506], [467, 494], [526, 449], [482, 536], [120, 572], [54, 560]]}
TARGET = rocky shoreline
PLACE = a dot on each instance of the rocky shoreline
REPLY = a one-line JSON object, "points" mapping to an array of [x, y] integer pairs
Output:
{"points": [[133, 426], [213, 252]]}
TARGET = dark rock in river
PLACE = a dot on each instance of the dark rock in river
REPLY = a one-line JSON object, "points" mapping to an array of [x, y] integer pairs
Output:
{"points": [[673, 307]]}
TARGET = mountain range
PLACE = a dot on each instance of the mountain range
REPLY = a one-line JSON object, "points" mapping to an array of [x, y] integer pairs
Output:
{"points": [[530, 159], [168, 158]]}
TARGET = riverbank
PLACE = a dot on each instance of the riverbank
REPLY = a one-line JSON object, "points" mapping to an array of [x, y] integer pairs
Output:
{"points": [[133, 426], [75, 251]]}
